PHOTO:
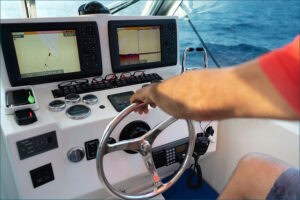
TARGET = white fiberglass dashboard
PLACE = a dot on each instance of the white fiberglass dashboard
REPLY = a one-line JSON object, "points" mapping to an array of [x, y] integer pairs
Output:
{"points": [[52, 157]]}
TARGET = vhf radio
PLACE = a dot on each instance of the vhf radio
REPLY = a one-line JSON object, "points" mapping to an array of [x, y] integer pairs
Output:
{"points": [[176, 151]]}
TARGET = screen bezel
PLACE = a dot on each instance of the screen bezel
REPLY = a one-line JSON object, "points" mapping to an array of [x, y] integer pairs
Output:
{"points": [[114, 45], [10, 56]]}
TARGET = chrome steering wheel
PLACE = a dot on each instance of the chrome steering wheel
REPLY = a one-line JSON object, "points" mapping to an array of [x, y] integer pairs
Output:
{"points": [[143, 145]]}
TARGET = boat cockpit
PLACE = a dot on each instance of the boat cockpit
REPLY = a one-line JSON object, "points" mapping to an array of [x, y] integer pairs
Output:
{"points": [[68, 130]]}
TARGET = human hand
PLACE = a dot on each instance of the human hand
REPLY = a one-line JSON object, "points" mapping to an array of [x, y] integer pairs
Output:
{"points": [[143, 96]]}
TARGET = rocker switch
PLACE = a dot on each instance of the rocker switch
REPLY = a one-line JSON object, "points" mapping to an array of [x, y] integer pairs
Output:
{"points": [[91, 149]]}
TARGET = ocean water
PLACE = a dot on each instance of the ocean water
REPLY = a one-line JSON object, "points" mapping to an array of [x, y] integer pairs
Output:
{"points": [[238, 31], [235, 31]]}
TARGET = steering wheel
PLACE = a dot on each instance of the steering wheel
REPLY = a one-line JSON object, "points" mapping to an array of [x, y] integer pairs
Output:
{"points": [[143, 145]]}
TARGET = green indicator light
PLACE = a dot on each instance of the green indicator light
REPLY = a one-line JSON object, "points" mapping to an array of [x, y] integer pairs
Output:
{"points": [[30, 98]]}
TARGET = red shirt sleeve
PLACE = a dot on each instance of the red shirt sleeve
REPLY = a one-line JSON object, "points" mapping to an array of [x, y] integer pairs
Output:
{"points": [[281, 66]]}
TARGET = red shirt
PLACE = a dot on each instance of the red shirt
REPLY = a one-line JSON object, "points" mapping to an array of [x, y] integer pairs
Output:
{"points": [[281, 66]]}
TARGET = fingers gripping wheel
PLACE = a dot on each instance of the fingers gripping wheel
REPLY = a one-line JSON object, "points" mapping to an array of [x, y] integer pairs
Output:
{"points": [[143, 145]]}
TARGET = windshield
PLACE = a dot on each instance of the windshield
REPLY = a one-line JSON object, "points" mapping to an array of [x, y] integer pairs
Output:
{"points": [[60, 8], [11, 9]]}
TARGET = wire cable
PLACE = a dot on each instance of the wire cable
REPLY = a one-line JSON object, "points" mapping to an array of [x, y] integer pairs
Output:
{"points": [[196, 173]]}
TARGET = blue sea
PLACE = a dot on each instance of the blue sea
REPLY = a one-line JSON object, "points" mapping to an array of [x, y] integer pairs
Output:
{"points": [[235, 31], [238, 31]]}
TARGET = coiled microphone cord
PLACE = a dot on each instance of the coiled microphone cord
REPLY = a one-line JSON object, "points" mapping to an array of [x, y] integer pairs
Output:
{"points": [[196, 173]]}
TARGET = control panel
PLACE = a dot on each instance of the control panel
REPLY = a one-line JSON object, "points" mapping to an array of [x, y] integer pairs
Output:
{"points": [[170, 42], [89, 40], [98, 85], [36, 145]]}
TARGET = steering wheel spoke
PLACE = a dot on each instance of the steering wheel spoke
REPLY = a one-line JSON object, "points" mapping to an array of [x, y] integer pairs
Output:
{"points": [[152, 134], [132, 145], [149, 162]]}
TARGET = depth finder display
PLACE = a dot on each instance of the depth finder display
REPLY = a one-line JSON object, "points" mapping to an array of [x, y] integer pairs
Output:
{"points": [[138, 45], [42, 53]]}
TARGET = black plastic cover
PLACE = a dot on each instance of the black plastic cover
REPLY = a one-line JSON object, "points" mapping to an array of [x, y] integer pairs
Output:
{"points": [[25, 117], [121, 100], [91, 149], [42, 175], [37, 145]]}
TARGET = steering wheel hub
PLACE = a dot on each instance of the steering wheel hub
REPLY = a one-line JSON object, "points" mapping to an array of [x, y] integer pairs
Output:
{"points": [[145, 147]]}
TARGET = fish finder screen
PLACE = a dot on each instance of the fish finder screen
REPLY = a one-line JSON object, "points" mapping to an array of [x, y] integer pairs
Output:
{"points": [[43, 53], [139, 45]]}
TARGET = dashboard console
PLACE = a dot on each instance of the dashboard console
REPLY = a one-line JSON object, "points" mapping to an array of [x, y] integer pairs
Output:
{"points": [[72, 76]]}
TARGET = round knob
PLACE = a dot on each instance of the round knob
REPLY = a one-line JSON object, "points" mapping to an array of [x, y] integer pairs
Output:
{"points": [[75, 154]]}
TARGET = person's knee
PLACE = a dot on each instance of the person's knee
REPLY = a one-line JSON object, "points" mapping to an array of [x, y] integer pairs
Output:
{"points": [[254, 176], [251, 161], [259, 165]]}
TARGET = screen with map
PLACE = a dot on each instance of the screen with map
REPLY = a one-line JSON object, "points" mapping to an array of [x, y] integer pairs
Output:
{"points": [[42, 53], [138, 45]]}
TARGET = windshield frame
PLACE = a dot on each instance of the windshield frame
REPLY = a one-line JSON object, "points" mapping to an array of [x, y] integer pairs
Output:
{"points": [[30, 10]]}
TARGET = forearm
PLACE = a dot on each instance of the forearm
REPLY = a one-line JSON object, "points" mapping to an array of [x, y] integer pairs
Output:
{"points": [[241, 91], [198, 95]]}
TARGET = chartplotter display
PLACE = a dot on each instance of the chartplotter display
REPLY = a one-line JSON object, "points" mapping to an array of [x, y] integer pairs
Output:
{"points": [[42, 53], [138, 45]]}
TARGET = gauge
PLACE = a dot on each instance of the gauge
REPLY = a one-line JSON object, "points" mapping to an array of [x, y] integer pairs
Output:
{"points": [[57, 105], [73, 99], [78, 112], [90, 99]]}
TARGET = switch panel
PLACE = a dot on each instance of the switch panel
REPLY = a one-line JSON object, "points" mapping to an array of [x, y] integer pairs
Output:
{"points": [[36, 145], [42, 175]]}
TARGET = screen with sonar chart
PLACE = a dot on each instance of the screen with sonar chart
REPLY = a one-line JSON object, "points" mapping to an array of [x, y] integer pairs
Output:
{"points": [[42, 53], [138, 45]]}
